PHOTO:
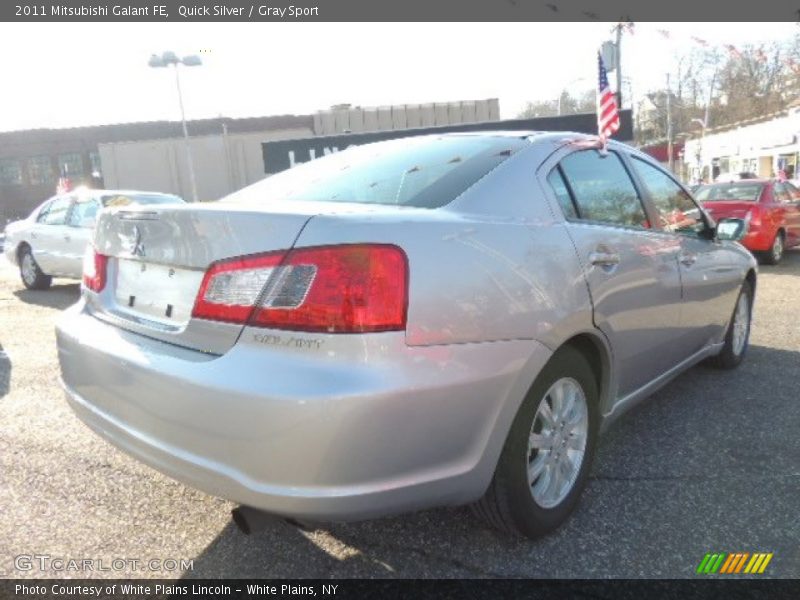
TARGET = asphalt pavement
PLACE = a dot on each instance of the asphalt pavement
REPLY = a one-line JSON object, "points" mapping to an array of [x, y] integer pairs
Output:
{"points": [[711, 463]]}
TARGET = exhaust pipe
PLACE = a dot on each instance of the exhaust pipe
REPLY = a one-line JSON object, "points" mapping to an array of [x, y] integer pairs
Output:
{"points": [[251, 520]]}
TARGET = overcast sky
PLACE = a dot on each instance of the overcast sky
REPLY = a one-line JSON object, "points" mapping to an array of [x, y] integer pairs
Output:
{"points": [[61, 75]]}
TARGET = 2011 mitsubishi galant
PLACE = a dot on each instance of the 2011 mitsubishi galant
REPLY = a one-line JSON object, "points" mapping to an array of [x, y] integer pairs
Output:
{"points": [[430, 321]]}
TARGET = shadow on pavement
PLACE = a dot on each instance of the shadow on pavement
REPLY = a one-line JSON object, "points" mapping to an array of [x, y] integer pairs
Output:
{"points": [[58, 296], [5, 372], [695, 448]]}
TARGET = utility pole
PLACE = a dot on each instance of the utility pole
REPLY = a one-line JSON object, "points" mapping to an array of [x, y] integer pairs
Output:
{"points": [[669, 128]]}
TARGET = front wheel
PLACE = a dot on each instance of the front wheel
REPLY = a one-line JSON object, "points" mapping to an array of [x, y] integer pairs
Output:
{"points": [[32, 276], [737, 337], [548, 453]]}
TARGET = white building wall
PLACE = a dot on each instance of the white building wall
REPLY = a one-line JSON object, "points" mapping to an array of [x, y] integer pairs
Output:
{"points": [[760, 144], [222, 163]]}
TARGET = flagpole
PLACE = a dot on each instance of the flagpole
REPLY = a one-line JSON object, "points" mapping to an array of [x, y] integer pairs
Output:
{"points": [[618, 65]]}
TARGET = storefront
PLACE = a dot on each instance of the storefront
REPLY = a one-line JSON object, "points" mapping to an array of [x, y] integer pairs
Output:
{"points": [[764, 148]]}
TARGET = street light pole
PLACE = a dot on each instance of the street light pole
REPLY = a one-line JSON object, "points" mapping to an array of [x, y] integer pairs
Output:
{"points": [[189, 160], [171, 59]]}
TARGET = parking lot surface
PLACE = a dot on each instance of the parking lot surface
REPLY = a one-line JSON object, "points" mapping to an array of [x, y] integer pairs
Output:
{"points": [[711, 463]]}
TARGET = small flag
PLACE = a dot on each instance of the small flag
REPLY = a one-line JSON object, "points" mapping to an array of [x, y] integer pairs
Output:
{"points": [[664, 33], [607, 112], [732, 50], [700, 41]]}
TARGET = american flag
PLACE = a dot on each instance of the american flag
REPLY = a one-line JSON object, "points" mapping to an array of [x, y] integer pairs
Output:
{"points": [[607, 113]]}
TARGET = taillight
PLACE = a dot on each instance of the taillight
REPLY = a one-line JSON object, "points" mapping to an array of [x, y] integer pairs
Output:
{"points": [[94, 270], [334, 289]]}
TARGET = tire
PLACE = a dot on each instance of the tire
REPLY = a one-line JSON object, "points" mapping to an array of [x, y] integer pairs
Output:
{"points": [[511, 503], [32, 276], [735, 346], [774, 255]]}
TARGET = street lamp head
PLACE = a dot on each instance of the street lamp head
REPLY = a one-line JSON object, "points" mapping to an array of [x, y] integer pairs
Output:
{"points": [[156, 61], [192, 61], [170, 58]]}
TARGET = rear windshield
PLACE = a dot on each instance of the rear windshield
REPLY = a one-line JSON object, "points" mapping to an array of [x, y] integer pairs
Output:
{"points": [[425, 172], [127, 199], [737, 191]]}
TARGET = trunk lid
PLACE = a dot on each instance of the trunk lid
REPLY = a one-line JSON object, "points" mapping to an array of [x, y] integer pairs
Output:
{"points": [[732, 209], [159, 255]]}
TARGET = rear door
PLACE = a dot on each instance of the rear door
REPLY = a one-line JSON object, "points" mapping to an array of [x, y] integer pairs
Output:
{"points": [[47, 236], [80, 224], [631, 270], [709, 279]]}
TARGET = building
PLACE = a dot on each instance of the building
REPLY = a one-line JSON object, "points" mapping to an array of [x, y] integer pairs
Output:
{"points": [[229, 157], [32, 161], [764, 146]]}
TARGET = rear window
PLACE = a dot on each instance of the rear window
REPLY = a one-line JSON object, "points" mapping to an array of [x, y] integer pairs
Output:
{"points": [[128, 199], [425, 172], [739, 191]]}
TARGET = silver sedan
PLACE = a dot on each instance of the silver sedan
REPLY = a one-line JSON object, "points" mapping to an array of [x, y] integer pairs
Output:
{"points": [[437, 320], [52, 240]]}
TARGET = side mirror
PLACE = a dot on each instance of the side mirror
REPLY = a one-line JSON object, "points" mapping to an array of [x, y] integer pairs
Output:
{"points": [[88, 223], [731, 229]]}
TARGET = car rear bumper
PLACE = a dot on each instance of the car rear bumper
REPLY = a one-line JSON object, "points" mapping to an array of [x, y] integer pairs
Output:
{"points": [[303, 433]]}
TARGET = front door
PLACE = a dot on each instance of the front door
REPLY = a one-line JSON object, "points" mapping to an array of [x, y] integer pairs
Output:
{"points": [[709, 279], [47, 236]]}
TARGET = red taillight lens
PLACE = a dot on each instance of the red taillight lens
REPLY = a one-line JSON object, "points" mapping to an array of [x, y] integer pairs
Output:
{"points": [[353, 288], [94, 270], [334, 289]]}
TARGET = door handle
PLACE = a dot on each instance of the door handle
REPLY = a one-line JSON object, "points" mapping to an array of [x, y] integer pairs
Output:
{"points": [[688, 259], [67, 238], [33, 235], [604, 259]]}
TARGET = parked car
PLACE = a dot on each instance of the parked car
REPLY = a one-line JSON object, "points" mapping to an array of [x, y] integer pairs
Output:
{"points": [[52, 241], [436, 320], [771, 209]]}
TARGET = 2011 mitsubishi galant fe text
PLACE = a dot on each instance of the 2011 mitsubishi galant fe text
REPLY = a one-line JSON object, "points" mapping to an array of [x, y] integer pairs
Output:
{"points": [[436, 320]]}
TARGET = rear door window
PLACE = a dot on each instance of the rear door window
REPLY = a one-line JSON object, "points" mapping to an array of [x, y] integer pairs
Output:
{"points": [[556, 181], [83, 210], [602, 189]]}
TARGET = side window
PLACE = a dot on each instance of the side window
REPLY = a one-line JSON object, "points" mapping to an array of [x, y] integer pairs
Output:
{"points": [[676, 209], [56, 212], [781, 194], [83, 209], [794, 193], [556, 181], [602, 189]]}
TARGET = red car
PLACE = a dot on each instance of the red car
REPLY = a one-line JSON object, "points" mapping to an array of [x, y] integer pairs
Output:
{"points": [[771, 209]]}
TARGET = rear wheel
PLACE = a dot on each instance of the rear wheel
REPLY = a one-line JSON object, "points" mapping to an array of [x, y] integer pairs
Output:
{"points": [[774, 255], [32, 276], [548, 453], [737, 337]]}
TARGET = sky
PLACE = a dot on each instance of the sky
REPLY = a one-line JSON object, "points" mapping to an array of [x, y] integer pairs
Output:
{"points": [[72, 74]]}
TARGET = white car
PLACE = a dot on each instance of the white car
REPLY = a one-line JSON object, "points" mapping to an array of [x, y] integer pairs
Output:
{"points": [[51, 242]]}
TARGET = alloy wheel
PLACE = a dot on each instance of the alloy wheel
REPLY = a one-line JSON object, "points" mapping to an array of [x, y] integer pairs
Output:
{"points": [[557, 442], [28, 269], [741, 324]]}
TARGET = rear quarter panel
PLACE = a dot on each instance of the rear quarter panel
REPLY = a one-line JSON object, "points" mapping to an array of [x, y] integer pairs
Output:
{"points": [[495, 264]]}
